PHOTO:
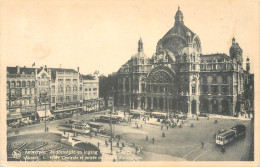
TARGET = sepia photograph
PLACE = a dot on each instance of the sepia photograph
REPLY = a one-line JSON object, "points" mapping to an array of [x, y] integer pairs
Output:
{"points": [[114, 82]]}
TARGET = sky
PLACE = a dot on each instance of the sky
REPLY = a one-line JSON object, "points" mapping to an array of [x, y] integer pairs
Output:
{"points": [[103, 35]]}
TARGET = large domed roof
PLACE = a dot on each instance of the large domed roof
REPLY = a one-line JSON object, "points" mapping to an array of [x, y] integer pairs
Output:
{"points": [[179, 36]]}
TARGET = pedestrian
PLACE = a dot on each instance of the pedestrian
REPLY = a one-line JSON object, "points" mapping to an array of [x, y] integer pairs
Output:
{"points": [[153, 140], [141, 125], [180, 126], [208, 118], [90, 135], [197, 118], [117, 144], [123, 144], [161, 127], [119, 137], [146, 138], [177, 120], [136, 149], [163, 134], [202, 144], [148, 118], [167, 127], [216, 121], [133, 143], [106, 143], [47, 129], [137, 126], [98, 144]]}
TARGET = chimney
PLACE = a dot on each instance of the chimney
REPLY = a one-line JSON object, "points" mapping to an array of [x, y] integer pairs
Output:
{"points": [[18, 69], [78, 69]]}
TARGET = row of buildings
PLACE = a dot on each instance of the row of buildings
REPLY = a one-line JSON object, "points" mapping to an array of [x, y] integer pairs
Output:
{"points": [[179, 78], [58, 91]]}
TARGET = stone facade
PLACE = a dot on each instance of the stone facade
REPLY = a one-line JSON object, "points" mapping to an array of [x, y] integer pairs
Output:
{"points": [[179, 78]]}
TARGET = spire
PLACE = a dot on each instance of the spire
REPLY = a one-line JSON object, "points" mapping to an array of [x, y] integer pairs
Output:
{"points": [[233, 40], [140, 45], [178, 16]]}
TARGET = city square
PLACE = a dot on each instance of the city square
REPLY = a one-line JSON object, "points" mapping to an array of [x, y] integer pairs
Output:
{"points": [[179, 144]]}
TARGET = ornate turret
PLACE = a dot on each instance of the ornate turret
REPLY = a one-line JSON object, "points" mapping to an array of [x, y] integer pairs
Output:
{"points": [[140, 45], [236, 52], [178, 16], [247, 65]]}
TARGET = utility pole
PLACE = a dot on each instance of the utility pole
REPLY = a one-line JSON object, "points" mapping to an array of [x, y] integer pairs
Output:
{"points": [[111, 123]]}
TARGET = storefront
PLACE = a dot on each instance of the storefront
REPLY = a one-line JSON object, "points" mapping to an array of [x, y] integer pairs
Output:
{"points": [[14, 117]]}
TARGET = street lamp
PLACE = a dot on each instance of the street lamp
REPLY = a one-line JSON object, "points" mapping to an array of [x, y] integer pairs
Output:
{"points": [[169, 94]]}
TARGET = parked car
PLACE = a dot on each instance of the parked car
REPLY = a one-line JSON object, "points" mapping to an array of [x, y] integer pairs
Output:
{"points": [[202, 114]]}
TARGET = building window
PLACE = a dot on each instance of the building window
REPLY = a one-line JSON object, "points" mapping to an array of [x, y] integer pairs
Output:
{"points": [[224, 89], [53, 89], [214, 89], [67, 80], [75, 98], [86, 89], [25, 91], [68, 99], [75, 88], [18, 84], [80, 97], [214, 79], [94, 89], [89, 89], [67, 88], [53, 100], [80, 87], [60, 80], [60, 89], [33, 83], [12, 84], [214, 66], [193, 67], [28, 84], [193, 89], [75, 80], [224, 79], [205, 89]]}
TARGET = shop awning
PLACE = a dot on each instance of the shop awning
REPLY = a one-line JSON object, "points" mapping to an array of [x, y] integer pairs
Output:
{"points": [[42, 113], [14, 116]]}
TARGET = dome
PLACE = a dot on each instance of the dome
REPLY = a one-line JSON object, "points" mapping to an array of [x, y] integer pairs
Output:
{"points": [[188, 51], [179, 36]]}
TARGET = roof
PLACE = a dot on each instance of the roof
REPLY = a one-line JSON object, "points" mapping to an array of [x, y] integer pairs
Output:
{"points": [[218, 56], [25, 70], [88, 77], [226, 133], [179, 28], [54, 70]]}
